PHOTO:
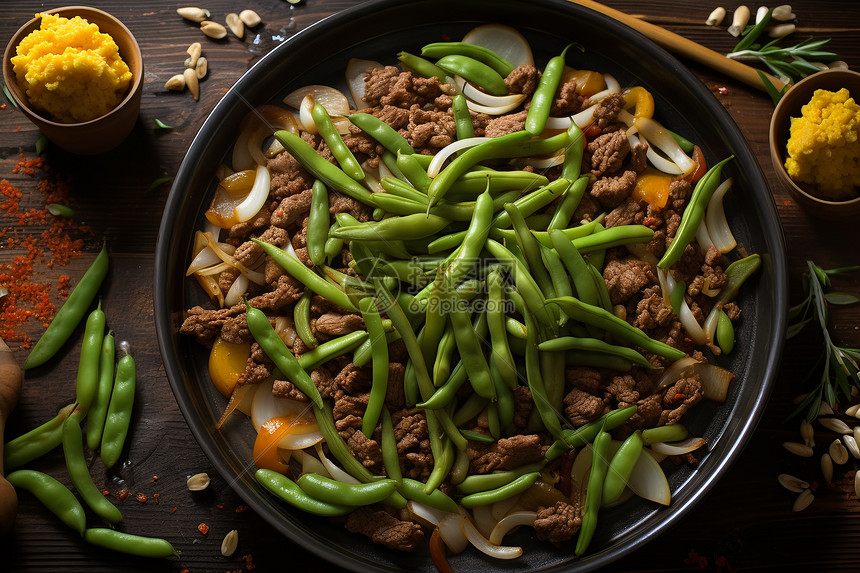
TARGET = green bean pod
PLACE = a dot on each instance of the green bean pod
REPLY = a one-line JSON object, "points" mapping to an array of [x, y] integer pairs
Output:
{"points": [[37, 442], [613, 237], [56, 497], [421, 66], [475, 72], [462, 117], [131, 544], [331, 349], [500, 356], [473, 183], [318, 223], [446, 393], [275, 348], [516, 487], [526, 285], [594, 491], [390, 456], [289, 491], [337, 492], [76, 463], [532, 202], [330, 174], [671, 433], [570, 200], [544, 94], [342, 154], [443, 456], [405, 227], [98, 411], [571, 168], [586, 433], [544, 412], [564, 343], [530, 249], [487, 482], [379, 384], [473, 241], [603, 319], [480, 53], [414, 490], [302, 320], [87, 381], [725, 333], [119, 411], [70, 314], [444, 354], [381, 132], [621, 466], [472, 354], [413, 171]]}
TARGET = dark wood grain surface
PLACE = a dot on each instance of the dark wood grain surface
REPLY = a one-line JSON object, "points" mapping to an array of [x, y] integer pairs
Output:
{"points": [[745, 523]]}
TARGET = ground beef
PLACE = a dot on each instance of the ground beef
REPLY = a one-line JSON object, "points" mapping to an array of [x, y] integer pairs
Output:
{"points": [[396, 117], [587, 210], [568, 100], [505, 124], [585, 379], [241, 231], [637, 160], [390, 86], [331, 324], [582, 407], [680, 397], [523, 79], [226, 278], [606, 153], [622, 390], [611, 191], [652, 311], [366, 450], [344, 204], [629, 212], [607, 110], [287, 291], [626, 277], [560, 522], [292, 209], [381, 527], [249, 252], [413, 443], [205, 324], [395, 398], [430, 129], [288, 176], [235, 330], [505, 454], [523, 405]]}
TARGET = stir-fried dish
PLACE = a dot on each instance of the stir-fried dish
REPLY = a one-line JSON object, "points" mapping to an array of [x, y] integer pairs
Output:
{"points": [[473, 295]]}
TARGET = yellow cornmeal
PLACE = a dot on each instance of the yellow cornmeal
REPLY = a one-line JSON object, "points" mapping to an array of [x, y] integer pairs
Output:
{"points": [[70, 70], [824, 148]]}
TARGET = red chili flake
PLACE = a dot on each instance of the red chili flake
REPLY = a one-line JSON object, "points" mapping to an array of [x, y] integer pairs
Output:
{"points": [[249, 562], [2, 106], [679, 397], [174, 509], [106, 492], [155, 496], [203, 528], [219, 505], [184, 571], [122, 495], [141, 497], [242, 509]]}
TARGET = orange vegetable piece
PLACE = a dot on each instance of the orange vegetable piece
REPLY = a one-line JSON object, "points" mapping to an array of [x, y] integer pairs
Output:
{"points": [[652, 187], [266, 453], [641, 99], [588, 82], [226, 363]]}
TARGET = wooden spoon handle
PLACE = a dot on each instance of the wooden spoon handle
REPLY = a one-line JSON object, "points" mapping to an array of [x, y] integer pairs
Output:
{"points": [[680, 45]]}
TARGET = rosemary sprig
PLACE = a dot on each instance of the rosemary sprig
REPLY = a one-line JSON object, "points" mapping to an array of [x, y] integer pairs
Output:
{"points": [[839, 366], [789, 63]]}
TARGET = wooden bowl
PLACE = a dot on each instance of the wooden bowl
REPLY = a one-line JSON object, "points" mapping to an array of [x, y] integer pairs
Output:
{"points": [[780, 124], [105, 132]]}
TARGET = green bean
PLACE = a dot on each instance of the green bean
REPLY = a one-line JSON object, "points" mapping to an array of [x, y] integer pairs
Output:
{"points": [[671, 433], [569, 203], [413, 226], [613, 237], [594, 491], [577, 268], [37, 442], [477, 437], [342, 154], [379, 384], [306, 276], [684, 143], [414, 490], [87, 381], [526, 285], [318, 223], [474, 71], [544, 94], [411, 392], [532, 202], [390, 160], [480, 53], [330, 174], [516, 487], [460, 468], [473, 241], [442, 461], [447, 391], [621, 466], [725, 333], [571, 232], [137, 545], [289, 491], [76, 463], [119, 411], [471, 354], [544, 409], [530, 249], [494, 424], [302, 320], [422, 67], [693, 214], [413, 171], [337, 492], [517, 144], [564, 343], [471, 407], [595, 360], [444, 355], [571, 168], [435, 322], [552, 369], [505, 404], [98, 411], [603, 319], [539, 222], [486, 482], [333, 247], [381, 132], [462, 117], [473, 183], [557, 272], [388, 445], [586, 433], [364, 351], [337, 446], [500, 355], [331, 349], [70, 314], [602, 290], [405, 189], [56, 497], [275, 348], [60, 210]]}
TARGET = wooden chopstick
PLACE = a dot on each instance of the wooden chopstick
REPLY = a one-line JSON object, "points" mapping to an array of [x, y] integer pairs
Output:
{"points": [[688, 48]]}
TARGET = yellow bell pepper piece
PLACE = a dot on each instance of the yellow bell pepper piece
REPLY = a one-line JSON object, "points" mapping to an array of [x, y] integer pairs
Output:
{"points": [[642, 100], [652, 186], [226, 363], [588, 82]]}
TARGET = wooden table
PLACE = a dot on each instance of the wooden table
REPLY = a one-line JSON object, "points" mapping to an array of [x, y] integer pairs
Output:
{"points": [[745, 523]]}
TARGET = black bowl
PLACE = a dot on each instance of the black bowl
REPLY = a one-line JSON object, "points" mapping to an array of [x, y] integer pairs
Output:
{"points": [[378, 30]]}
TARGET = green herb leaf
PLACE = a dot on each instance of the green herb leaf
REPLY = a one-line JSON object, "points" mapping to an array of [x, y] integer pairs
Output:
{"points": [[841, 298], [161, 125], [159, 182], [59, 210], [41, 144], [774, 93], [8, 95]]}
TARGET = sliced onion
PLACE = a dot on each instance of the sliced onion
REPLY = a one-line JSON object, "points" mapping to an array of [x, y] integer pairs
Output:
{"points": [[660, 162], [710, 325], [300, 441], [612, 87], [275, 147], [443, 154], [584, 117], [254, 276], [509, 522], [431, 515], [483, 519], [212, 228], [241, 398], [502, 507], [306, 120], [559, 122], [678, 369], [213, 270], [333, 100], [267, 406], [356, 72], [703, 236], [715, 216], [581, 468], [371, 176], [648, 481], [255, 200], [268, 119], [241, 158], [539, 162], [5, 291], [334, 471], [453, 533], [483, 545], [286, 330], [205, 258], [477, 96], [310, 464], [685, 446], [504, 41], [492, 109], [691, 325], [715, 381], [236, 290], [626, 494], [658, 136]]}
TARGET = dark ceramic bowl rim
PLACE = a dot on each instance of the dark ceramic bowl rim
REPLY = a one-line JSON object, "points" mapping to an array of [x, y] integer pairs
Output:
{"points": [[772, 333]]}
